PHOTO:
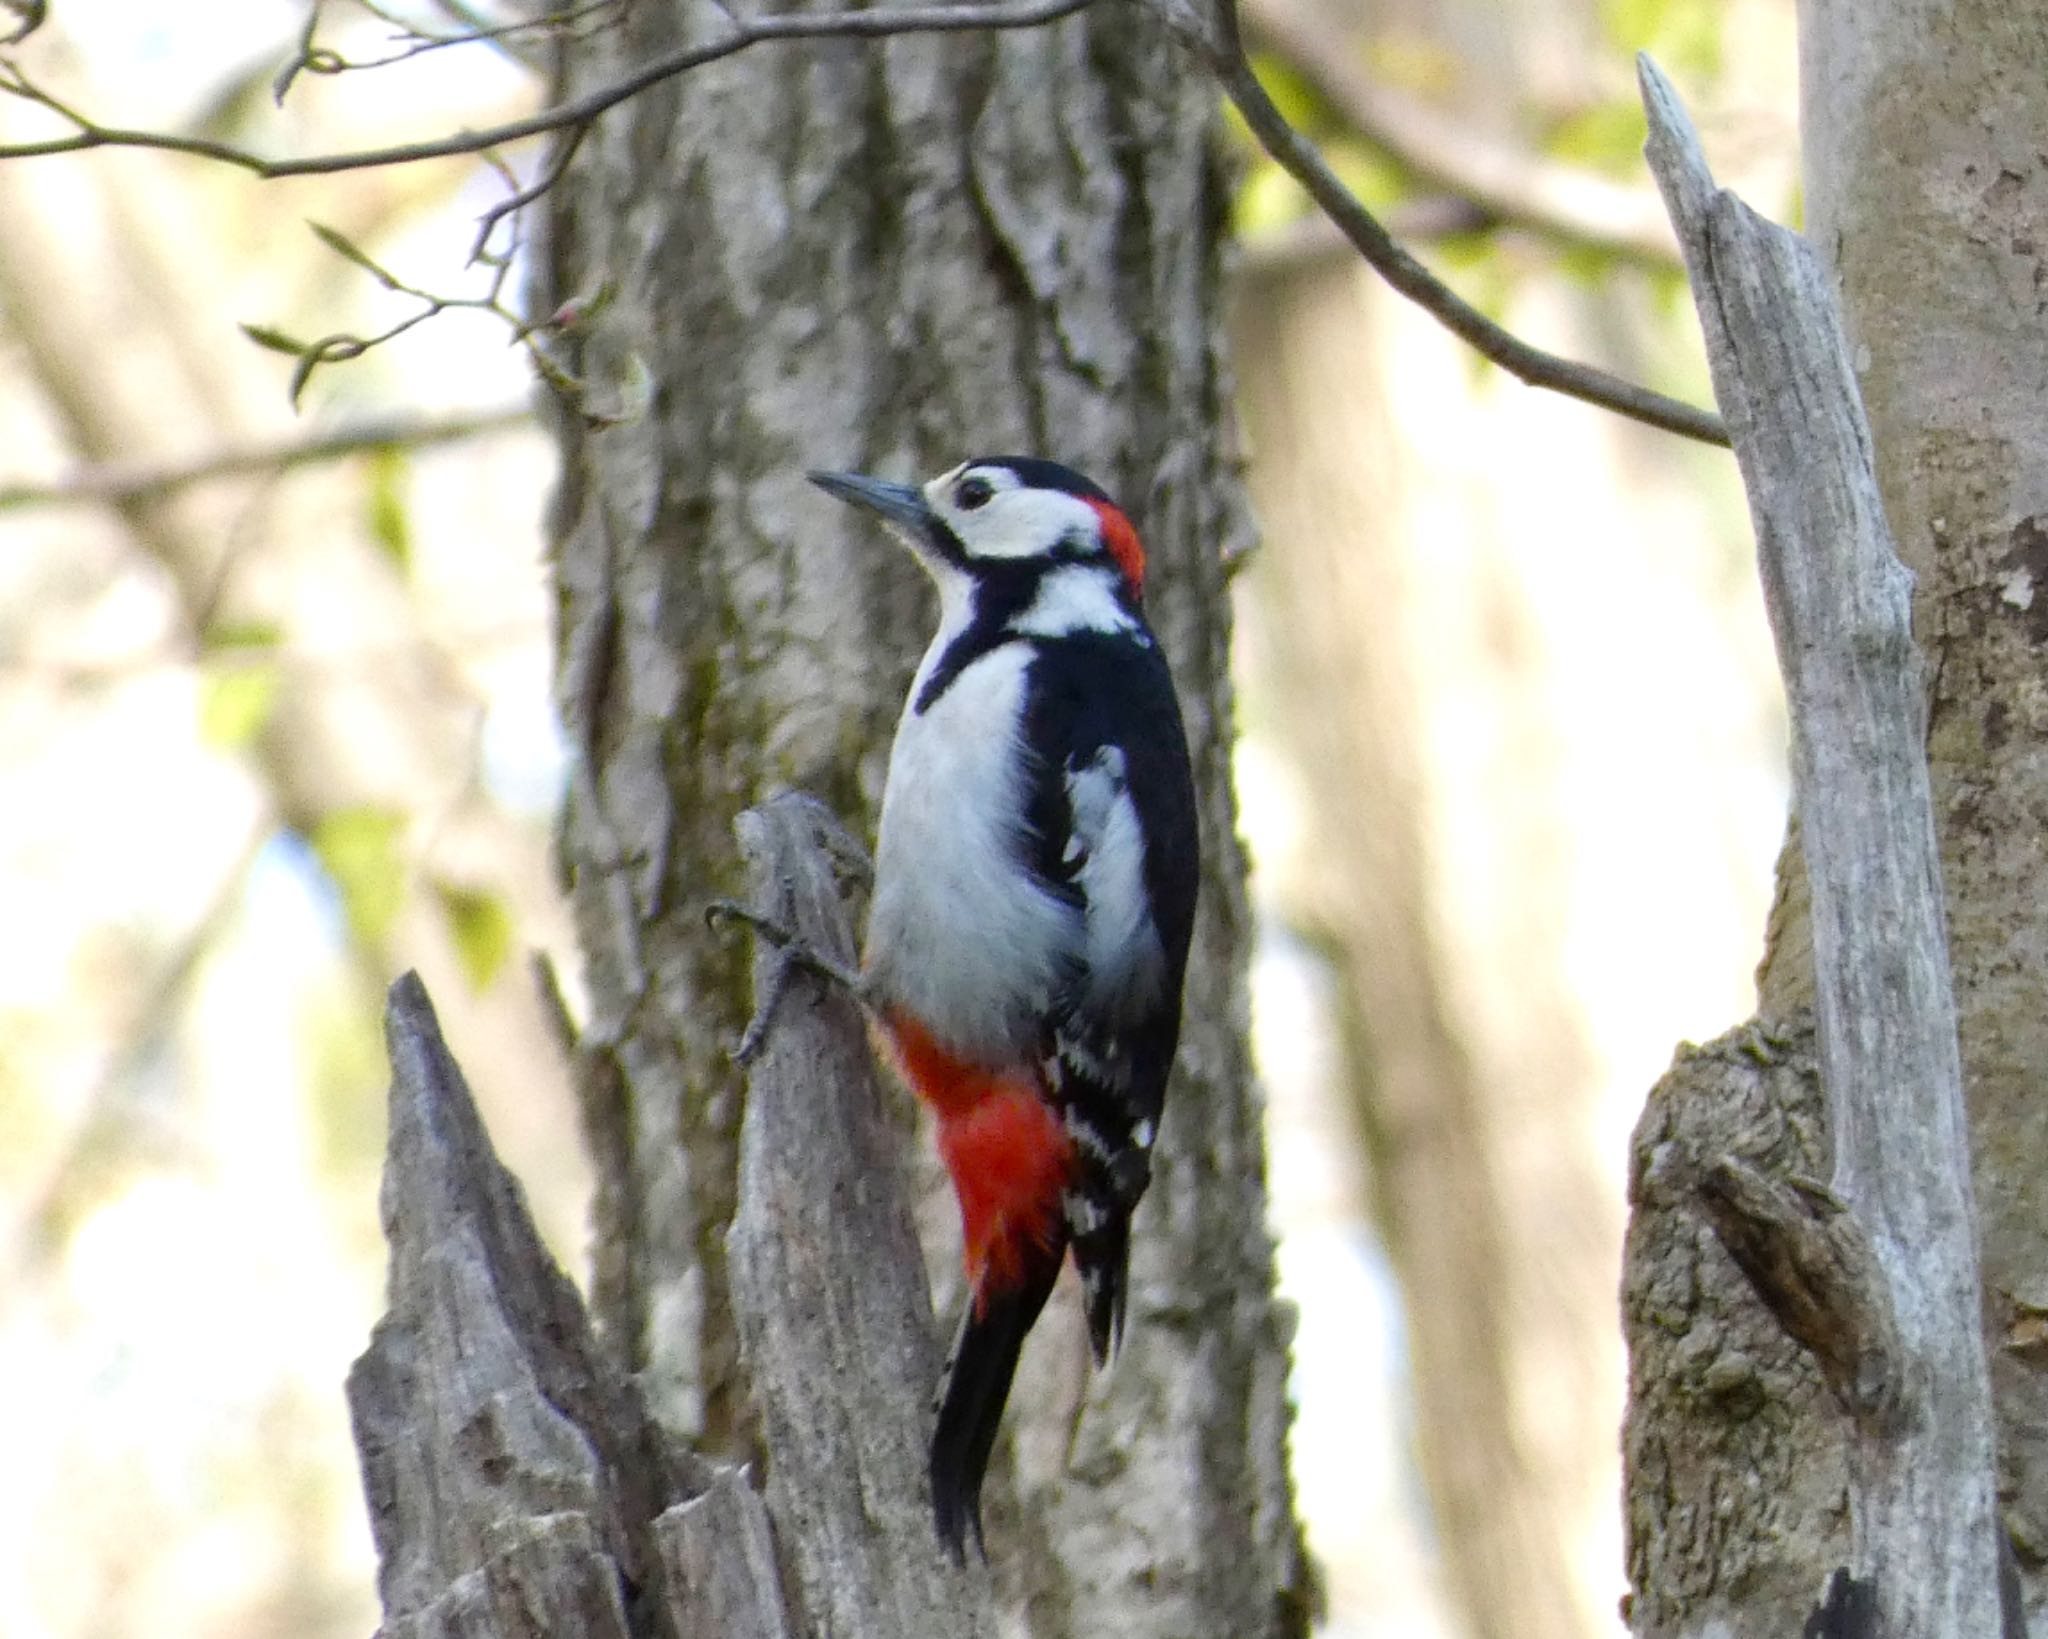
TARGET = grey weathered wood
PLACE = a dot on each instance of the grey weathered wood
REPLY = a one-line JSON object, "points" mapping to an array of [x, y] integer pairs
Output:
{"points": [[1926, 196], [1923, 1451], [517, 1485], [719, 1547], [829, 1287]]}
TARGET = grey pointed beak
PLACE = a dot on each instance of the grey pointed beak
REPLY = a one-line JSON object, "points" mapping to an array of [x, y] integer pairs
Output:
{"points": [[903, 505]]}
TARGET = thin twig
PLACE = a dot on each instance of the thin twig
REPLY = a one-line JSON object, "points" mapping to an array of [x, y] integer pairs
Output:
{"points": [[408, 41], [861, 25], [1298, 156], [1227, 60], [558, 162], [116, 483]]}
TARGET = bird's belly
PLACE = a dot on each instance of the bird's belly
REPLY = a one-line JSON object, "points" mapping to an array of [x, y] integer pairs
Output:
{"points": [[961, 935]]}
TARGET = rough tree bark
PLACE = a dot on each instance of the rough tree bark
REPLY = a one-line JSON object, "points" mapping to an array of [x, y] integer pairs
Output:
{"points": [[891, 256], [1924, 195]]}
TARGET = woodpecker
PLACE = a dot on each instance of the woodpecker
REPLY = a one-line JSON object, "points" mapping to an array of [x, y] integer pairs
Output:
{"points": [[1034, 895]]}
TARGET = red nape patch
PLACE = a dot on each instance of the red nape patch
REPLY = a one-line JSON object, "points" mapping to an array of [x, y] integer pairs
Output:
{"points": [[1004, 1146], [1123, 543]]}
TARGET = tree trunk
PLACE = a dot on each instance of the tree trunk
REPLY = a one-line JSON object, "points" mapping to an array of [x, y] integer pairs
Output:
{"points": [[1464, 1061], [1924, 196], [892, 256]]}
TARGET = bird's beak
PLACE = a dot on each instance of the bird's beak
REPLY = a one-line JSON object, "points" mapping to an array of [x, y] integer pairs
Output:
{"points": [[903, 505]]}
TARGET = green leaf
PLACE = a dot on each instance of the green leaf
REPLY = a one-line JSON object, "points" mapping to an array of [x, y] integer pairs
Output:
{"points": [[384, 507], [1608, 138], [237, 636], [343, 246], [236, 700], [327, 350], [1379, 183], [276, 340], [1268, 200], [1685, 36], [360, 850], [309, 361], [1300, 104], [1587, 265], [482, 926]]}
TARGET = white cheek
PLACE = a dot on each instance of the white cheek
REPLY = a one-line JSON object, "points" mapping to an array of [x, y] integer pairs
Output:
{"points": [[1020, 523]]}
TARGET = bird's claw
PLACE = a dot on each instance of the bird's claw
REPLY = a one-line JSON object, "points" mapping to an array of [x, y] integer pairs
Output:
{"points": [[791, 954]]}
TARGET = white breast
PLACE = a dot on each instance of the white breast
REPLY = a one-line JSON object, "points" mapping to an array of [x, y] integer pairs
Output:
{"points": [[960, 934]]}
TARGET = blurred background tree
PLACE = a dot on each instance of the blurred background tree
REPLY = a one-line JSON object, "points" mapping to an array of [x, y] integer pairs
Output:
{"points": [[277, 734]]}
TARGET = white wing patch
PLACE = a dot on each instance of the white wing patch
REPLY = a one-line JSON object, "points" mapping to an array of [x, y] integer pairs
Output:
{"points": [[1120, 946]]}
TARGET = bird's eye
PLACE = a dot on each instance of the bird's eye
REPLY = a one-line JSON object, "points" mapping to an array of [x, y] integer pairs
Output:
{"points": [[971, 493]]}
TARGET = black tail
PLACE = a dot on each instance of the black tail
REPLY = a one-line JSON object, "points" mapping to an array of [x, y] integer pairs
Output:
{"points": [[1103, 1257], [977, 1384]]}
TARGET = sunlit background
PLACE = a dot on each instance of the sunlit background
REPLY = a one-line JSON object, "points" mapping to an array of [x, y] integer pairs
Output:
{"points": [[266, 739]]}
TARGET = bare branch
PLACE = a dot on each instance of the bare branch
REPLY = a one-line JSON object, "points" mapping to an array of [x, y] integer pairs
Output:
{"points": [[1224, 49], [517, 39], [1907, 1299], [110, 1125], [859, 25], [1508, 184], [558, 162], [117, 482]]}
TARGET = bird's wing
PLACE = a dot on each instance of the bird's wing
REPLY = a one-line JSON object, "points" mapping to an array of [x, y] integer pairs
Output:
{"points": [[1113, 828]]}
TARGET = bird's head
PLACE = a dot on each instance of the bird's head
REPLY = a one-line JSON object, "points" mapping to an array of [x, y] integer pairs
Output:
{"points": [[1001, 510]]}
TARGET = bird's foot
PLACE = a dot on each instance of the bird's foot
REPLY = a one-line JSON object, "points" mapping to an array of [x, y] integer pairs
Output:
{"points": [[792, 955]]}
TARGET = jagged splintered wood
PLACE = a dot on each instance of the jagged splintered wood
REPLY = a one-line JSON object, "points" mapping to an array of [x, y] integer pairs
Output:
{"points": [[513, 1476], [518, 1487], [1893, 1300], [828, 1283]]}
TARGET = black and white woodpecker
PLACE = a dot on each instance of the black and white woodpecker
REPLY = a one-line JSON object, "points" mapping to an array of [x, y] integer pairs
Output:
{"points": [[1034, 896]]}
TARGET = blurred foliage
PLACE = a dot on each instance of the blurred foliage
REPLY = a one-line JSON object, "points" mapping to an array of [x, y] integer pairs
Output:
{"points": [[237, 698], [483, 928], [362, 851], [1685, 36], [384, 512], [1268, 199], [1606, 137]]}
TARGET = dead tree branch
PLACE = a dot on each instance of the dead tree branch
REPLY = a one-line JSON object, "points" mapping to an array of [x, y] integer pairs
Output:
{"points": [[518, 1486], [1215, 33], [1887, 1294], [514, 1476], [828, 1285]]}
